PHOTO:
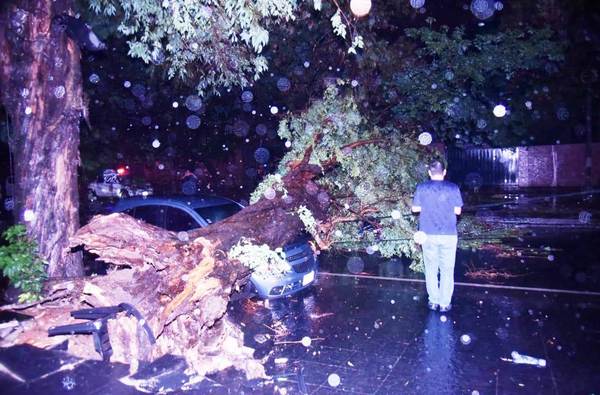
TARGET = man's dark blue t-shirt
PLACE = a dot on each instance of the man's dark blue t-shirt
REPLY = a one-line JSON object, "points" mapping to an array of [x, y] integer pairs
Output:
{"points": [[437, 200]]}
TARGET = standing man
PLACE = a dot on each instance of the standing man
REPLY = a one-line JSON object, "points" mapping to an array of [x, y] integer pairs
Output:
{"points": [[439, 202]]}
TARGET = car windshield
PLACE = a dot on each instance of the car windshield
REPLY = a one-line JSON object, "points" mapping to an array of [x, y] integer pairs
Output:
{"points": [[214, 214]]}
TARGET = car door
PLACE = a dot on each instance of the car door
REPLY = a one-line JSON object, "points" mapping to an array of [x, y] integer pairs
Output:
{"points": [[177, 220], [153, 214]]}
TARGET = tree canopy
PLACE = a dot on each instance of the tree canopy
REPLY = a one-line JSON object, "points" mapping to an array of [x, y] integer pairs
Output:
{"points": [[214, 43], [452, 85]]}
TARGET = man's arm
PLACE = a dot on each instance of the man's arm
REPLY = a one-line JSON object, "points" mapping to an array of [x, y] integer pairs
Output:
{"points": [[416, 203], [458, 202]]}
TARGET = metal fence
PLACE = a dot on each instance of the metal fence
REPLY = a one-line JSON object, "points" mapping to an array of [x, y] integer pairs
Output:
{"points": [[560, 165], [477, 167]]}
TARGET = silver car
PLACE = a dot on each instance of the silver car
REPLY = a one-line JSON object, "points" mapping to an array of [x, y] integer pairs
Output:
{"points": [[103, 189], [183, 213]]}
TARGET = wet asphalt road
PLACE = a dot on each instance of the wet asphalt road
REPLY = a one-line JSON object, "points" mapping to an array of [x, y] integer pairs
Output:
{"points": [[378, 337]]}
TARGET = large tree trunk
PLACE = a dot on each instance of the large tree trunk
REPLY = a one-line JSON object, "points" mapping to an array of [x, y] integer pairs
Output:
{"points": [[181, 288], [40, 83]]}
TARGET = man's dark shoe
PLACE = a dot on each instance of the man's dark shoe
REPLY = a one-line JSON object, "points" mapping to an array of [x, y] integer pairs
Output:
{"points": [[432, 306], [444, 309]]}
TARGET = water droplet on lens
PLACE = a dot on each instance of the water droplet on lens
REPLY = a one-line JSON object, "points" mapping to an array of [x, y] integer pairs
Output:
{"points": [[193, 103], [94, 78], [270, 193], [283, 84], [562, 114], [425, 138], [59, 92], [502, 333], [355, 265], [262, 155], [417, 3], [483, 9], [585, 217], [247, 96], [193, 122], [261, 129], [333, 380]]}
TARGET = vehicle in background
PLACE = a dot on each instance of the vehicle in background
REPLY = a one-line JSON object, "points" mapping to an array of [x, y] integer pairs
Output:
{"points": [[184, 213], [110, 184]]}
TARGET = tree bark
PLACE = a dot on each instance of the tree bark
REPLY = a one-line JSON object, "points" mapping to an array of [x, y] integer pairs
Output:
{"points": [[40, 83]]}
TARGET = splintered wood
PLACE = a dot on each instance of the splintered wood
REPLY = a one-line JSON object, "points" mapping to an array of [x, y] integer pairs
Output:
{"points": [[180, 288]]}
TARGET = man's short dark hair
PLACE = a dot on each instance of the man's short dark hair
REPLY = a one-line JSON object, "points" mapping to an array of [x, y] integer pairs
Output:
{"points": [[436, 168]]}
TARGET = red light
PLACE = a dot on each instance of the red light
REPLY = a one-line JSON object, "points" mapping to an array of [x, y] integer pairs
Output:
{"points": [[121, 171]]}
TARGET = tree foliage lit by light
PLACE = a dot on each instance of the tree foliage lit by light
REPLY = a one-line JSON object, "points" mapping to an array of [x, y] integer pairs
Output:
{"points": [[369, 172], [214, 44]]}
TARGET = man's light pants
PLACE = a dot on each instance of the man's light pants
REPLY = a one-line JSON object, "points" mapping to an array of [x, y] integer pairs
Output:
{"points": [[439, 255]]}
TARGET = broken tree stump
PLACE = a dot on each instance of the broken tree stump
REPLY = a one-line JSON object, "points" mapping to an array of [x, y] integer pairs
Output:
{"points": [[181, 288]]}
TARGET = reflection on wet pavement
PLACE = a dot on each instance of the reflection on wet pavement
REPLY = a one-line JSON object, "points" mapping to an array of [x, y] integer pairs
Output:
{"points": [[380, 338]]}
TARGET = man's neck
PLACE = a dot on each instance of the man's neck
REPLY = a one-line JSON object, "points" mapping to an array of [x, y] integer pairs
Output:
{"points": [[437, 178]]}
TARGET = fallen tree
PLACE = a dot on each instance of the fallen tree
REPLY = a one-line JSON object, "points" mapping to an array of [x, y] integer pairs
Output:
{"points": [[181, 285], [338, 177], [181, 288]]}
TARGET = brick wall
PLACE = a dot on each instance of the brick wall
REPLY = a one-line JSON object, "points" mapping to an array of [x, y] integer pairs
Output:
{"points": [[556, 165]]}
